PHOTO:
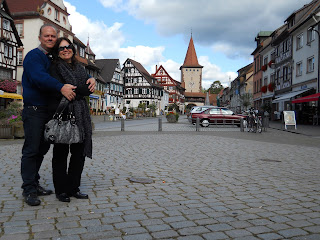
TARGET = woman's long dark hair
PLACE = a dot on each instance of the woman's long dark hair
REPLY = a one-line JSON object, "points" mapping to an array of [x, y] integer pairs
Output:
{"points": [[55, 51]]}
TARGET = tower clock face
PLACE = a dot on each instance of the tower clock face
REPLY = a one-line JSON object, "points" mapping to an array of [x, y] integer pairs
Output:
{"points": [[191, 84]]}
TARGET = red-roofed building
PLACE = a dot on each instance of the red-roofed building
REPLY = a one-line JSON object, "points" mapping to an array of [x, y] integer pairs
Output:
{"points": [[191, 78], [29, 16], [176, 91]]}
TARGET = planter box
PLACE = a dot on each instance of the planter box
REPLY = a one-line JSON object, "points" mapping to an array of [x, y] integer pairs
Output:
{"points": [[6, 131]]}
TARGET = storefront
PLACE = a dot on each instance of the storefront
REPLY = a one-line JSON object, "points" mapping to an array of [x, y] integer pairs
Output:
{"points": [[307, 109], [6, 98]]}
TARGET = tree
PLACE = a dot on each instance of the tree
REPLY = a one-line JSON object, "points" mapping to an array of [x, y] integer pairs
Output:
{"points": [[215, 87], [246, 100]]}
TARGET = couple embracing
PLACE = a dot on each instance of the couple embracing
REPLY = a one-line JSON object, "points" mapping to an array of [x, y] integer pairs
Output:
{"points": [[51, 73]]}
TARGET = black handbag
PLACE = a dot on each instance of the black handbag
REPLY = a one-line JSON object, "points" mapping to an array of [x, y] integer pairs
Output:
{"points": [[63, 130]]}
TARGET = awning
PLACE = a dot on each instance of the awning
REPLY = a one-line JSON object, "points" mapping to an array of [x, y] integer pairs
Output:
{"points": [[93, 96], [10, 95], [310, 98], [288, 96]]}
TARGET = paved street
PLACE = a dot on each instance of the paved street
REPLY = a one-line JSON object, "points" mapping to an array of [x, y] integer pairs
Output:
{"points": [[216, 184]]}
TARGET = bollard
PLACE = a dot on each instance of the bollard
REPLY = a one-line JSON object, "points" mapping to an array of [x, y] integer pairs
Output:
{"points": [[241, 125], [197, 124], [122, 124], [160, 124]]}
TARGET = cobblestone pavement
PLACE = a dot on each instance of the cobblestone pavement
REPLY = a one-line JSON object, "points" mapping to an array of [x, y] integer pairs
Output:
{"points": [[206, 186]]}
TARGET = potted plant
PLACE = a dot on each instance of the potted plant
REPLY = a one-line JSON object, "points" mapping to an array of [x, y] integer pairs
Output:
{"points": [[172, 117], [16, 122]]}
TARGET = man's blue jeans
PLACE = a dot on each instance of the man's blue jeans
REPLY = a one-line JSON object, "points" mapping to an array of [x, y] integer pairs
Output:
{"points": [[34, 148]]}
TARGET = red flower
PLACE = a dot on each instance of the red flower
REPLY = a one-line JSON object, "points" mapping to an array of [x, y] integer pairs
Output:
{"points": [[264, 67], [264, 89], [271, 87]]}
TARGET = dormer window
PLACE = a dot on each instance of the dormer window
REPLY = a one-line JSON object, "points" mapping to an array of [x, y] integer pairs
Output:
{"points": [[6, 24], [19, 27]]}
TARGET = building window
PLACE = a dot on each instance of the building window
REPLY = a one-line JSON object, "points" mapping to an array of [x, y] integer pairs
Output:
{"points": [[299, 41], [19, 27], [265, 81], [311, 35], [6, 24], [136, 91], [285, 73], [6, 50], [56, 15], [19, 57], [265, 61], [299, 69], [310, 64], [81, 53], [272, 78]]}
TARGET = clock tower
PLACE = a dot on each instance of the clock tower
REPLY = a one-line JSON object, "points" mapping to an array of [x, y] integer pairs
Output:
{"points": [[191, 71]]}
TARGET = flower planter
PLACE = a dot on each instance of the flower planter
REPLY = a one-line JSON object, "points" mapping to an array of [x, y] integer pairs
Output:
{"points": [[18, 131], [6, 131]]}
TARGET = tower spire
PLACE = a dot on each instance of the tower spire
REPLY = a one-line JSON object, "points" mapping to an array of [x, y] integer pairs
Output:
{"points": [[191, 59]]}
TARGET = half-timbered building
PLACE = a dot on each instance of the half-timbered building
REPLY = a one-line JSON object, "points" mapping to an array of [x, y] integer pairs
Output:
{"points": [[140, 86], [176, 91], [110, 70], [9, 42]]}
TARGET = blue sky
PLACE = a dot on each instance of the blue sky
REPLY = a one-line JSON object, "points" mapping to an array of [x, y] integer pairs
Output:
{"points": [[157, 32]]}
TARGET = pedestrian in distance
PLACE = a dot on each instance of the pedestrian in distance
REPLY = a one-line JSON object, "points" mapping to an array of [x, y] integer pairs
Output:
{"points": [[67, 177], [36, 83]]}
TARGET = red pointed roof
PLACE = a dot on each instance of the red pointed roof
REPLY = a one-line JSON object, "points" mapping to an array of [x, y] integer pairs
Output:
{"points": [[191, 59]]}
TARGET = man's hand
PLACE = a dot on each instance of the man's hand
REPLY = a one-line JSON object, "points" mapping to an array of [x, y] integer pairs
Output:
{"points": [[68, 91], [92, 84]]}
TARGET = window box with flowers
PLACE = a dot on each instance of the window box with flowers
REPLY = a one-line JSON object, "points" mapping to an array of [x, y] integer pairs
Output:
{"points": [[270, 63], [264, 89], [264, 67], [8, 85], [271, 87]]}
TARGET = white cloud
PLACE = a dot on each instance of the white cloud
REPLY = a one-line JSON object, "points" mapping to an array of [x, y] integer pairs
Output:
{"points": [[99, 33], [233, 23], [212, 72], [145, 55]]}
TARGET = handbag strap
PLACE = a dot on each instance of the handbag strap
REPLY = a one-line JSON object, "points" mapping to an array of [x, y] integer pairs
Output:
{"points": [[62, 106]]}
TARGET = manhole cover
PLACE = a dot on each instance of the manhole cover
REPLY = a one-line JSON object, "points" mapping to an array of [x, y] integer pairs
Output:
{"points": [[270, 160], [141, 180]]}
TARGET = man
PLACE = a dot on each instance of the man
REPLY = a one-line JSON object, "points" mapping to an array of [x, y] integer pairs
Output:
{"points": [[36, 82]]}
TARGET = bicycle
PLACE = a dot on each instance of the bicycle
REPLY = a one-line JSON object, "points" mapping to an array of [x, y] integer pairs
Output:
{"points": [[254, 122]]}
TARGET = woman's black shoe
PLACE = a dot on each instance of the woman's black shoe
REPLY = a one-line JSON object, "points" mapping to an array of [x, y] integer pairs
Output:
{"points": [[63, 197], [80, 195]]}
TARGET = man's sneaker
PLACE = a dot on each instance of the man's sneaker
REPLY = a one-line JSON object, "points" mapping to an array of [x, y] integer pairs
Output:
{"points": [[32, 199], [42, 192]]}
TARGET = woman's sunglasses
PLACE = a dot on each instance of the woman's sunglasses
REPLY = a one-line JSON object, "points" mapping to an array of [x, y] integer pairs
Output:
{"points": [[64, 47]]}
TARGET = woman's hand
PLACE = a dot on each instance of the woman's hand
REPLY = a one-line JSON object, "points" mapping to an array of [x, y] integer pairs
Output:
{"points": [[92, 84]]}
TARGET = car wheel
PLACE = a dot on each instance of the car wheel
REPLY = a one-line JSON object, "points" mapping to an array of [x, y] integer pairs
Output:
{"points": [[205, 123]]}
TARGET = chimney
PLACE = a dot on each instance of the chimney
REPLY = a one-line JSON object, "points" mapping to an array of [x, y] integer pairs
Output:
{"points": [[156, 68]]}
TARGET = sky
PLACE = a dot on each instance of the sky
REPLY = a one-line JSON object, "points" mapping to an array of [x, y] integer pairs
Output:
{"points": [[157, 32]]}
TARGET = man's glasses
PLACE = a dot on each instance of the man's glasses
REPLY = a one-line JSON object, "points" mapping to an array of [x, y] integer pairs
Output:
{"points": [[64, 47]]}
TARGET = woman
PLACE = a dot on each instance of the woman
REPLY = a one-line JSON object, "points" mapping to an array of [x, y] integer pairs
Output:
{"points": [[66, 69]]}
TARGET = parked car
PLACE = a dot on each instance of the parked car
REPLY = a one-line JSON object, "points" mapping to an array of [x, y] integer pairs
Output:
{"points": [[216, 115], [197, 109]]}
